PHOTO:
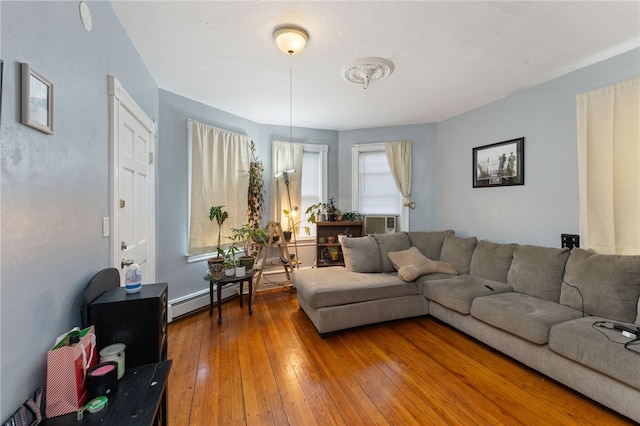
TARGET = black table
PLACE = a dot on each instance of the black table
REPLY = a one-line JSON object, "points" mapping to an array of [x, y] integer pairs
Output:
{"points": [[221, 282], [141, 399]]}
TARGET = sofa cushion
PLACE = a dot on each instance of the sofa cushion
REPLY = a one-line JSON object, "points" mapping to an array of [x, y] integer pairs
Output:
{"points": [[537, 271], [492, 260], [525, 316], [458, 251], [600, 349], [334, 285], [361, 254], [388, 243], [457, 293], [603, 285], [429, 242], [411, 264]]}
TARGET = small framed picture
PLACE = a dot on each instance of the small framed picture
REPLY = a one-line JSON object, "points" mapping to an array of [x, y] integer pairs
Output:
{"points": [[37, 100], [499, 164]]}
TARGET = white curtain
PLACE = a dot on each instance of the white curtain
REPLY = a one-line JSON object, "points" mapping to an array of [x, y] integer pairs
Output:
{"points": [[219, 177], [608, 134], [285, 156], [399, 159]]}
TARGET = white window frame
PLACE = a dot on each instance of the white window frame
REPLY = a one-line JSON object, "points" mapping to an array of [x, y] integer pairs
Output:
{"points": [[356, 150], [322, 150]]}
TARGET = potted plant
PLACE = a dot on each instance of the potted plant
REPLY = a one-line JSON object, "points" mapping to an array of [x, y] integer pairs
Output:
{"points": [[229, 259], [316, 213], [247, 235], [292, 224], [219, 215], [332, 211]]}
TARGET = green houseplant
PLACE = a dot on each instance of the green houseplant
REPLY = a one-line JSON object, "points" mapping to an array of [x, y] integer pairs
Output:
{"points": [[219, 215], [246, 235], [256, 189]]}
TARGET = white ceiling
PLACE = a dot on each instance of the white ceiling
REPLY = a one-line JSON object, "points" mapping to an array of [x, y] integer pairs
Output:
{"points": [[449, 57]]}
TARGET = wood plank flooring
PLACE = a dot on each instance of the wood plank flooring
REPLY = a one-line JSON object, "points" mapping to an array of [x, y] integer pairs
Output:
{"points": [[272, 368]]}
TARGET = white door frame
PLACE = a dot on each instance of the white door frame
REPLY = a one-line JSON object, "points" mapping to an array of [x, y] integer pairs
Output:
{"points": [[119, 98]]}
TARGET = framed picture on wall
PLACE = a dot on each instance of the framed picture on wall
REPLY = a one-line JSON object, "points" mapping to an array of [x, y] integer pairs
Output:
{"points": [[37, 100], [499, 164]]}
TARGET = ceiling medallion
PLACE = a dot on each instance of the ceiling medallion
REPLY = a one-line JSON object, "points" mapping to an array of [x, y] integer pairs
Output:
{"points": [[366, 70]]}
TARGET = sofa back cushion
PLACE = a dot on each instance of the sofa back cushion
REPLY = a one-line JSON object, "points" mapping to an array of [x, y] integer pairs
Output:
{"points": [[429, 242], [537, 271], [492, 260], [458, 251], [361, 254], [604, 285], [388, 243]]}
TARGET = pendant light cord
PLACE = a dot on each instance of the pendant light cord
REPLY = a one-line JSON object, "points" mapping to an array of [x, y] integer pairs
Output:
{"points": [[293, 231]]}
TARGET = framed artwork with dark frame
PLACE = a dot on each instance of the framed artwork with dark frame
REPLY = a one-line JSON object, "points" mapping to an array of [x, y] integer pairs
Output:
{"points": [[499, 164], [37, 100]]}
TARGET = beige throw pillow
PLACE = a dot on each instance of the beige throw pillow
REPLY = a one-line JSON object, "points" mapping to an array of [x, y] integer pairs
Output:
{"points": [[411, 263]]}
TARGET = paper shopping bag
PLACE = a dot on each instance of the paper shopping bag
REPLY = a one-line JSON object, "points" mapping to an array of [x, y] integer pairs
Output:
{"points": [[67, 365]]}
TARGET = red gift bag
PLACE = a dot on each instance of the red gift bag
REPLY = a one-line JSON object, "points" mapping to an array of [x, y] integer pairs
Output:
{"points": [[66, 370]]}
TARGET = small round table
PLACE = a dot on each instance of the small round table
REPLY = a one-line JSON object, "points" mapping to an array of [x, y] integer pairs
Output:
{"points": [[224, 280]]}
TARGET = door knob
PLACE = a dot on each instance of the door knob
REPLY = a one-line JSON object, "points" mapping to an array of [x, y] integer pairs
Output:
{"points": [[123, 245], [127, 262]]}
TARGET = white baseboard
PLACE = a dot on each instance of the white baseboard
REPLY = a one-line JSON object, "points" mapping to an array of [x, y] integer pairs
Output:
{"points": [[194, 301]]}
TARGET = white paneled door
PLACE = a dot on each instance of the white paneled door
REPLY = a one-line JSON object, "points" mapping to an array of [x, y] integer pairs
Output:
{"points": [[133, 203]]}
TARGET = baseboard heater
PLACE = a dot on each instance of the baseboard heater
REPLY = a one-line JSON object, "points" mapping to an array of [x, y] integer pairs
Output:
{"points": [[192, 302]]}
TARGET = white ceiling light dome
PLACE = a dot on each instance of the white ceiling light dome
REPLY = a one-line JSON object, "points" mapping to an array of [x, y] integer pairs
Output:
{"points": [[290, 39], [366, 70]]}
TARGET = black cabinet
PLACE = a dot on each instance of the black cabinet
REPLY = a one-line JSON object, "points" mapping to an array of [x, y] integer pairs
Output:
{"points": [[138, 320]]}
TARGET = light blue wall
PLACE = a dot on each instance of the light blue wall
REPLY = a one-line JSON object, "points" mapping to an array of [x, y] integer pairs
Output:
{"points": [[55, 189], [424, 164], [172, 208], [547, 205]]}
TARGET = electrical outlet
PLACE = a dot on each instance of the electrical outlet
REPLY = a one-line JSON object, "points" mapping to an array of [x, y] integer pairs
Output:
{"points": [[570, 240]]}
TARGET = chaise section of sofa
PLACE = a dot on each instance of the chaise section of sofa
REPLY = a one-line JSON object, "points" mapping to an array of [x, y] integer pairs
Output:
{"points": [[552, 309]]}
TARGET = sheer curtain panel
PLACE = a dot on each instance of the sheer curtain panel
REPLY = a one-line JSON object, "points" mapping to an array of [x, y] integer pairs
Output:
{"points": [[219, 177], [608, 134]]}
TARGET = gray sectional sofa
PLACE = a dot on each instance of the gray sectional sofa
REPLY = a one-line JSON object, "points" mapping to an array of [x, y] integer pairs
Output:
{"points": [[552, 309]]}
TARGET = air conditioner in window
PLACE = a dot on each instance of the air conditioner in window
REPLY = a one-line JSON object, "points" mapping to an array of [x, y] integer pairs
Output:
{"points": [[380, 224]]}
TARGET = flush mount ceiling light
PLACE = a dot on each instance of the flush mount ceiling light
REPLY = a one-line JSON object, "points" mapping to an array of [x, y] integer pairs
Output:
{"points": [[366, 70], [290, 39]]}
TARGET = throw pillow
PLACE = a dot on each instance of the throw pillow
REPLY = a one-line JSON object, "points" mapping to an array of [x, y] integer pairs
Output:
{"points": [[458, 251], [361, 254], [604, 285], [492, 260], [388, 243], [411, 264]]}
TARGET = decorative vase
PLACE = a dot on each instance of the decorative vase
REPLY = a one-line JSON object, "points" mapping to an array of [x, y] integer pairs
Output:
{"points": [[229, 272], [287, 235], [240, 271]]}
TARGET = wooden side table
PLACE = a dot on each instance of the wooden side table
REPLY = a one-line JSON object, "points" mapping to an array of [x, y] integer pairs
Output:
{"points": [[221, 282]]}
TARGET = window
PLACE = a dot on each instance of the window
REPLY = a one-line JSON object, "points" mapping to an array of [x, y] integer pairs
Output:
{"points": [[374, 191], [218, 165], [307, 185], [314, 183], [609, 178]]}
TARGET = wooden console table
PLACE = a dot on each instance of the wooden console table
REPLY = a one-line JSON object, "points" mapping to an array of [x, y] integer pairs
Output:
{"points": [[141, 400]]}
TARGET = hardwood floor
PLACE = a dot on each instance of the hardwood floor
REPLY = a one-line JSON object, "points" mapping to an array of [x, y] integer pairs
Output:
{"points": [[272, 368]]}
